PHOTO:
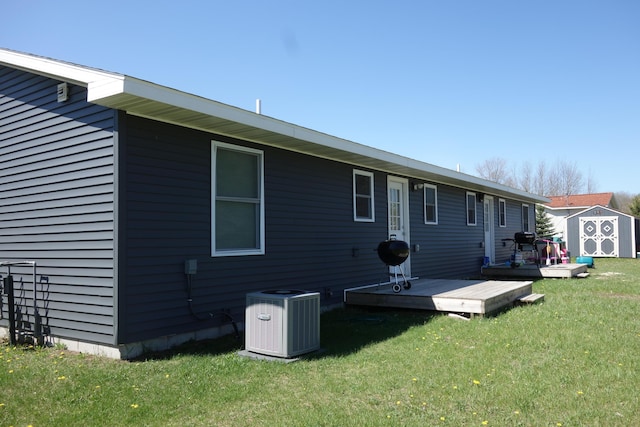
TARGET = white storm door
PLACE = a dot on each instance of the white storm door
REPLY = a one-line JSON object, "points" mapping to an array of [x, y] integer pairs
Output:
{"points": [[489, 229], [398, 214]]}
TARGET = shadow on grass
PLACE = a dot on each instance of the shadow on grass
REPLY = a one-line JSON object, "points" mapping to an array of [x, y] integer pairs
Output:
{"points": [[343, 331]]}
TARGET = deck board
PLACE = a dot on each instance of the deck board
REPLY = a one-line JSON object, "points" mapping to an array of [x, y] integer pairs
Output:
{"points": [[458, 296], [564, 271]]}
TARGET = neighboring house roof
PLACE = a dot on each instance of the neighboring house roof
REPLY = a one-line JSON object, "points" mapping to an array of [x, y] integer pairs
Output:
{"points": [[580, 201], [141, 98]]}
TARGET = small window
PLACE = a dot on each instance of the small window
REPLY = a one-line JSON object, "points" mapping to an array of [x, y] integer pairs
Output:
{"points": [[237, 210], [502, 212], [471, 208], [430, 204], [525, 217], [363, 196]]}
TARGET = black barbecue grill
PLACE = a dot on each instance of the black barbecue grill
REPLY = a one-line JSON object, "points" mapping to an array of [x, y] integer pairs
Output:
{"points": [[520, 239], [525, 238], [393, 253]]}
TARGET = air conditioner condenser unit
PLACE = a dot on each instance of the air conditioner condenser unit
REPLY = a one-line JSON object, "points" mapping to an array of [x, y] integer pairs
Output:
{"points": [[282, 323]]}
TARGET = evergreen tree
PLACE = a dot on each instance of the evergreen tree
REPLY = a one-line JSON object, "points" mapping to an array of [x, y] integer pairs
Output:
{"points": [[544, 228], [634, 206]]}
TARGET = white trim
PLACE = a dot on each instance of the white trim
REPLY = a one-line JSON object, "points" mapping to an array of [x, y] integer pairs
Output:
{"points": [[475, 208], [424, 203], [221, 253], [371, 176], [502, 202]]}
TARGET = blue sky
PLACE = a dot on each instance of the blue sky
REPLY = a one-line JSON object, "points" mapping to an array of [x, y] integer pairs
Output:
{"points": [[446, 82]]}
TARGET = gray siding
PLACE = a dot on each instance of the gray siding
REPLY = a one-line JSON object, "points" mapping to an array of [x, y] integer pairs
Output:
{"points": [[310, 233], [56, 187], [312, 242], [450, 249]]}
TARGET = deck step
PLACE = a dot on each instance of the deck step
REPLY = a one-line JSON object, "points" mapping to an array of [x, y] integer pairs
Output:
{"points": [[531, 298], [582, 275]]}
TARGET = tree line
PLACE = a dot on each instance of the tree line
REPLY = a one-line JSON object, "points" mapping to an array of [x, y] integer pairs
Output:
{"points": [[561, 178]]}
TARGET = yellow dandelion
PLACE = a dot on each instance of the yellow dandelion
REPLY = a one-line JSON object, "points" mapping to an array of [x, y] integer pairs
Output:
{"points": [[398, 403], [580, 392], [414, 379], [166, 376], [476, 382], [11, 371], [135, 405], [516, 412], [62, 377], [485, 422], [442, 418]]}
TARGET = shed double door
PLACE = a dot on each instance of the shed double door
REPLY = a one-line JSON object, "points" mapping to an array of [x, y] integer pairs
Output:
{"points": [[599, 236]]}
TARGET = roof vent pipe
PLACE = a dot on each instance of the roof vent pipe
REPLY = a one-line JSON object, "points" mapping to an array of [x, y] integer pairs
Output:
{"points": [[258, 106]]}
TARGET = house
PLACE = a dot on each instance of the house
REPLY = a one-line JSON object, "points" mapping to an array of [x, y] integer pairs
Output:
{"points": [[148, 214], [591, 225]]}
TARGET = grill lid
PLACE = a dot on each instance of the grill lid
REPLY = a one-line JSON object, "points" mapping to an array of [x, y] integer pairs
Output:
{"points": [[393, 252], [526, 237]]}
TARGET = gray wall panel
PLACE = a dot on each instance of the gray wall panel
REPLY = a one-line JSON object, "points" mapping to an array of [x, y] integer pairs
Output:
{"points": [[56, 186]]}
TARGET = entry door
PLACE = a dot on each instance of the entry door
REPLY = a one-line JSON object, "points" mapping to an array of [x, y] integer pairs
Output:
{"points": [[398, 214], [489, 228], [599, 236]]}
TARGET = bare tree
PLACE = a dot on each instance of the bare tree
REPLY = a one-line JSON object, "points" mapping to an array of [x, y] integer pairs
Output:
{"points": [[525, 177], [493, 169], [569, 177], [542, 181], [592, 185], [562, 178]]}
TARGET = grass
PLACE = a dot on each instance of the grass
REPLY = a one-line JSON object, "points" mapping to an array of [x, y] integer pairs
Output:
{"points": [[571, 360]]}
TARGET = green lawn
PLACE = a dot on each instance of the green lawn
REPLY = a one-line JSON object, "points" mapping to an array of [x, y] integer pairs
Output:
{"points": [[571, 360]]}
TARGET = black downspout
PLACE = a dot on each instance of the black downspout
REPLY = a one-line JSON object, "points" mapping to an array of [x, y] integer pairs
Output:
{"points": [[8, 290]]}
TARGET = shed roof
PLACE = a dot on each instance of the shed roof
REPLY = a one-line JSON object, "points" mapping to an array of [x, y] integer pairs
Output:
{"points": [[579, 201], [145, 99]]}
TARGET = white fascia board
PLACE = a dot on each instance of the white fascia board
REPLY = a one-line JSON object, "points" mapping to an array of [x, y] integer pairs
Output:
{"points": [[58, 70]]}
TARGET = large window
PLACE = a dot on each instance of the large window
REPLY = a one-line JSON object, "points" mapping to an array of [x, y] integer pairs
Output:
{"points": [[363, 196], [430, 204], [237, 200], [525, 217], [502, 212], [471, 208]]}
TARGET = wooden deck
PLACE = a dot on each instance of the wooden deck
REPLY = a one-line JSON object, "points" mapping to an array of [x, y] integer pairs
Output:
{"points": [[564, 271], [473, 297]]}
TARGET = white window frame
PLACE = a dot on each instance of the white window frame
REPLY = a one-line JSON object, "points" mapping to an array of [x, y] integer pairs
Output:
{"points": [[435, 207], [474, 207], [260, 250], [502, 212], [370, 197], [526, 223]]}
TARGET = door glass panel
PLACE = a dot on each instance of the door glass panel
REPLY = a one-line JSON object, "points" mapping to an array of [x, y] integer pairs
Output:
{"points": [[394, 209]]}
